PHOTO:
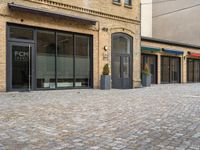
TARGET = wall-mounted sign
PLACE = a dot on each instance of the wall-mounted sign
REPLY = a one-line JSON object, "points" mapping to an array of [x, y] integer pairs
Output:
{"points": [[105, 55]]}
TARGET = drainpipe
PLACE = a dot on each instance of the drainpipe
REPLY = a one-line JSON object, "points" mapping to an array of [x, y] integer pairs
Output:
{"points": [[140, 38], [98, 53]]}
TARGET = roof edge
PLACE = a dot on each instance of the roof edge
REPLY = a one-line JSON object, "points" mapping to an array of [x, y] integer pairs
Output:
{"points": [[143, 38]]}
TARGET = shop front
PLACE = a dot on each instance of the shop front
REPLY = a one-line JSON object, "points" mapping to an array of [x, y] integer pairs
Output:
{"points": [[170, 69], [47, 45], [193, 71], [151, 61], [150, 58], [46, 59]]}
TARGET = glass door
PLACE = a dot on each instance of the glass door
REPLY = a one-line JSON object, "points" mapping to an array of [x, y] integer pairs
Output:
{"points": [[20, 66], [151, 61], [121, 71], [126, 71], [193, 70], [196, 71], [121, 64], [174, 70], [190, 70], [170, 69], [165, 68]]}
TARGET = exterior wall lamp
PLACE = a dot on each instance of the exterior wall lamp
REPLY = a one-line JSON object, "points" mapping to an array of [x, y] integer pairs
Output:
{"points": [[105, 48]]}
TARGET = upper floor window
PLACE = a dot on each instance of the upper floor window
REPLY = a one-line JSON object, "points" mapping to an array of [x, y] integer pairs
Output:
{"points": [[116, 1], [128, 2]]}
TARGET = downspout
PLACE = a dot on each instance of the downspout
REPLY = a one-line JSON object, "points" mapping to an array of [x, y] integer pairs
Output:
{"points": [[98, 53], [183, 68], [140, 38]]}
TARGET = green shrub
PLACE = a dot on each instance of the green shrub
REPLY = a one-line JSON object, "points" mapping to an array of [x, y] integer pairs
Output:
{"points": [[146, 70], [106, 70]]}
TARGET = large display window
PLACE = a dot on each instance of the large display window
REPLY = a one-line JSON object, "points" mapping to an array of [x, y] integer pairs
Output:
{"points": [[48, 59]]}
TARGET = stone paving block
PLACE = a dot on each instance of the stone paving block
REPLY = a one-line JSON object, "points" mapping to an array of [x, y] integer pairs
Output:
{"points": [[162, 117]]}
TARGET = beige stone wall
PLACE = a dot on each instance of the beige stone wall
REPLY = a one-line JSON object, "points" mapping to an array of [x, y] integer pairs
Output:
{"points": [[114, 18], [107, 7], [183, 58]]}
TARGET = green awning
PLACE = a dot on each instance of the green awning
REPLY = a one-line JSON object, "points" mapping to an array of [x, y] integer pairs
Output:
{"points": [[151, 49]]}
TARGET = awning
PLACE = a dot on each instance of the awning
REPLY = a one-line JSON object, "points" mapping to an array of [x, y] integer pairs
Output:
{"points": [[17, 7], [151, 49], [173, 52], [194, 54]]}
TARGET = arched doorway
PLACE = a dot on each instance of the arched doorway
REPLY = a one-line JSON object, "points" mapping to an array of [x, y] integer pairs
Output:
{"points": [[122, 61]]}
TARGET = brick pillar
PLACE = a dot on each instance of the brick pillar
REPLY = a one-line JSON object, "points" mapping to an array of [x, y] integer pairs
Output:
{"points": [[159, 69], [184, 69], [2, 55]]}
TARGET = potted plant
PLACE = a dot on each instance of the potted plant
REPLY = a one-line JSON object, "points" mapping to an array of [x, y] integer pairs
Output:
{"points": [[105, 78], [146, 76]]}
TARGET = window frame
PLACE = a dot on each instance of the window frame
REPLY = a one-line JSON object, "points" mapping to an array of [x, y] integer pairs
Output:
{"points": [[34, 43], [129, 5], [117, 2]]}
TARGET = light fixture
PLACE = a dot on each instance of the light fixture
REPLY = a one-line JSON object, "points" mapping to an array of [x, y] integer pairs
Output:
{"points": [[105, 48]]}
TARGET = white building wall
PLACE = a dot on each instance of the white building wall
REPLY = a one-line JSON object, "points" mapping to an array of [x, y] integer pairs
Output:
{"points": [[146, 18], [177, 21]]}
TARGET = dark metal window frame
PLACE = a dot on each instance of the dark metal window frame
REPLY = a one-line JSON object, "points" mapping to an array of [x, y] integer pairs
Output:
{"points": [[34, 43], [10, 67], [179, 76], [116, 1], [129, 3], [130, 55]]}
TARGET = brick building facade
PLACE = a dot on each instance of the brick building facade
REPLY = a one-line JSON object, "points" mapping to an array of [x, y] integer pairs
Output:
{"points": [[171, 62], [50, 44]]}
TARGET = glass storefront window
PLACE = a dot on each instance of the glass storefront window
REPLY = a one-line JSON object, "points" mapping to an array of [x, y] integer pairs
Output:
{"points": [[65, 66], [58, 59], [21, 33], [45, 61], [82, 61]]}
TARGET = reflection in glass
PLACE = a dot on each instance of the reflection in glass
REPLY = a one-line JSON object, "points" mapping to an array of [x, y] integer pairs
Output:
{"points": [[65, 76], [150, 60], [127, 2], [165, 70], [121, 44], [116, 71], [21, 33], [190, 69], [170, 70], [174, 70], [126, 67], [196, 71], [82, 61], [45, 64]]}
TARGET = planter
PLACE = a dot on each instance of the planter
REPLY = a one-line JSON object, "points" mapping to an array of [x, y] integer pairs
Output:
{"points": [[105, 82], [146, 80]]}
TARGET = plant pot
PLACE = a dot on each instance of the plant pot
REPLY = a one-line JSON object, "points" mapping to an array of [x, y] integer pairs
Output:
{"points": [[105, 82], [146, 79]]}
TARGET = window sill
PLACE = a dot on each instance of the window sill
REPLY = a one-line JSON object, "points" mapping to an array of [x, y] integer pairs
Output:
{"points": [[128, 6], [118, 4]]}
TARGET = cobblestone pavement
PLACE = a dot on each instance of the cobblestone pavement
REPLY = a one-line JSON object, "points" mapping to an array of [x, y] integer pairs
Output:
{"points": [[162, 117]]}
